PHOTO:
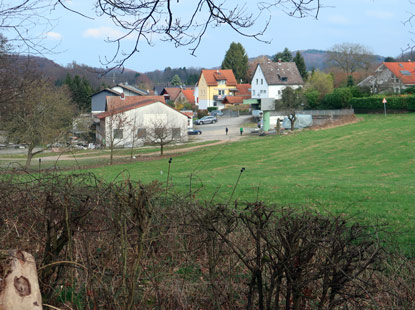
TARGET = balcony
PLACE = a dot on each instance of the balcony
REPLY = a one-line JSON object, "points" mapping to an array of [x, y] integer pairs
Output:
{"points": [[218, 97]]}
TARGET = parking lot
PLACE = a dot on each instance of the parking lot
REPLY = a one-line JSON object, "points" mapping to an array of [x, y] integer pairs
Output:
{"points": [[217, 131]]}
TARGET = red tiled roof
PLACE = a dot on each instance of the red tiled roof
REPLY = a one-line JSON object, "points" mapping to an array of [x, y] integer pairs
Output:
{"points": [[405, 71], [233, 99], [213, 76], [189, 114], [189, 94], [244, 90], [117, 105], [173, 92], [116, 102]]}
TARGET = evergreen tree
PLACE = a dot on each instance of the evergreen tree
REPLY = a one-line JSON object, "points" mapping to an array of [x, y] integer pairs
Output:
{"points": [[299, 61], [350, 81], [285, 56], [176, 81], [81, 91], [237, 60]]}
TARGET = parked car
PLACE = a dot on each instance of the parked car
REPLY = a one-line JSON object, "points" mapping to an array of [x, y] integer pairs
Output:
{"points": [[216, 113], [206, 120], [192, 132]]}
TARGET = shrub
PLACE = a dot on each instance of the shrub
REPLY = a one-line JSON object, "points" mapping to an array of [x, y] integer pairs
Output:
{"points": [[312, 97], [375, 103], [210, 109], [339, 98]]}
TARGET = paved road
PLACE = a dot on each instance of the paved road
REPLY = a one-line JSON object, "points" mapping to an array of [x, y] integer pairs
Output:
{"points": [[217, 131]]}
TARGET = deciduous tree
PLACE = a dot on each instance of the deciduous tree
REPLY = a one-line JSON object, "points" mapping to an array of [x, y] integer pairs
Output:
{"points": [[350, 57], [237, 60], [291, 100], [42, 114], [321, 82]]}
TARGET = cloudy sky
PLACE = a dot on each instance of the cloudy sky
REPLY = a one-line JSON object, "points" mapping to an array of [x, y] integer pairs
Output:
{"points": [[376, 24]]}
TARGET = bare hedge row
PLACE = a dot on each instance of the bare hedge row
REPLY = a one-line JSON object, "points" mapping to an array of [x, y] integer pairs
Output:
{"points": [[128, 245]]}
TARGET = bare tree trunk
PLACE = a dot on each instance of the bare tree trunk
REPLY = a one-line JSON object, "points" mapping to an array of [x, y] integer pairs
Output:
{"points": [[19, 289], [29, 156]]}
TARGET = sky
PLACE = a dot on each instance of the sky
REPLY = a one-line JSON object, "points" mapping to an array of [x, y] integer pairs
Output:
{"points": [[376, 24]]}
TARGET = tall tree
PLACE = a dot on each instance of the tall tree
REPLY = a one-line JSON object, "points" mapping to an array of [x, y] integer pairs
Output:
{"points": [[42, 114], [81, 91], [237, 60], [285, 56], [350, 57], [176, 81], [321, 82], [299, 61]]}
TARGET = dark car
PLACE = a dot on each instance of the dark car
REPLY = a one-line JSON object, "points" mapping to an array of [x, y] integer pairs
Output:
{"points": [[192, 132], [206, 120], [216, 113]]}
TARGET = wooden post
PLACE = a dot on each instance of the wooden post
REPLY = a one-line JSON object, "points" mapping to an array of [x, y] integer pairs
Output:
{"points": [[19, 285]]}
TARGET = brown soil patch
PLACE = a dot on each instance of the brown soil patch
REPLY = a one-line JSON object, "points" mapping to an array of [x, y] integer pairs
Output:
{"points": [[345, 120]]}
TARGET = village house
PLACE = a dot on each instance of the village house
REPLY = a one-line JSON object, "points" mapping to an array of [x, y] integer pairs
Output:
{"points": [[212, 88], [391, 77], [130, 120], [271, 78], [98, 100], [243, 92]]}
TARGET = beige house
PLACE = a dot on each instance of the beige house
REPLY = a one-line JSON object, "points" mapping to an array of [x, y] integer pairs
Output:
{"points": [[212, 88]]}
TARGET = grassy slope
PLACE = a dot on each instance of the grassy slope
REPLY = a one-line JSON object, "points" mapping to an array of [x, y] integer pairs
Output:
{"points": [[366, 168]]}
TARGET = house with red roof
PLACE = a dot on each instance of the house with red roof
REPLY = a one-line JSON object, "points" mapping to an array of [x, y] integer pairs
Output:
{"points": [[136, 120], [185, 96], [212, 88], [170, 93], [391, 77], [243, 91]]}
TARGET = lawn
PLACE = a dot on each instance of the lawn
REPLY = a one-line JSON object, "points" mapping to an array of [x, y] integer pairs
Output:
{"points": [[364, 169]]}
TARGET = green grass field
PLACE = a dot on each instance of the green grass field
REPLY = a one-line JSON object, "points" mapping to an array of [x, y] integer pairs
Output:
{"points": [[365, 169]]}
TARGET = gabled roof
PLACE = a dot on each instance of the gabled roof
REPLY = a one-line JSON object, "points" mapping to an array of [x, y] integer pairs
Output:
{"points": [[233, 99], [133, 89], [173, 92], [281, 73], [117, 105], [213, 76], [114, 103], [244, 90], [405, 71], [108, 90], [189, 94]]}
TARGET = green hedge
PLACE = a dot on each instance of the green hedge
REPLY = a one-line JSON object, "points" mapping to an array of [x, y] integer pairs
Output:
{"points": [[210, 109], [374, 103]]}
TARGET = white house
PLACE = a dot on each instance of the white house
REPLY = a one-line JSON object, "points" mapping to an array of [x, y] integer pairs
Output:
{"points": [[270, 78], [134, 119]]}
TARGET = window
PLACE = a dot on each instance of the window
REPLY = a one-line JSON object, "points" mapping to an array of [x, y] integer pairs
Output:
{"points": [[159, 132], [253, 92], [256, 81], [118, 134], [141, 133], [262, 81], [221, 92], [263, 91], [279, 92], [175, 133]]}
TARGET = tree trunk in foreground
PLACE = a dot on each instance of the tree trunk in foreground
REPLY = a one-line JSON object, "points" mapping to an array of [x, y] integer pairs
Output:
{"points": [[19, 288]]}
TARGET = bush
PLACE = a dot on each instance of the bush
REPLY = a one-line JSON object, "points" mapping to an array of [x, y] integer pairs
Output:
{"points": [[375, 103], [210, 109], [339, 98], [312, 97]]}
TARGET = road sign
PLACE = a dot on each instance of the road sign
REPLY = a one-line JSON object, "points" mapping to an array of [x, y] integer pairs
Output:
{"points": [[384, 105], [384, 101]]}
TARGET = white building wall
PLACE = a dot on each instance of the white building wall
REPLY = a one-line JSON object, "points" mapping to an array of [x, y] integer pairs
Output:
{"points": [[144, 117], [259, 86], [275, 91]]}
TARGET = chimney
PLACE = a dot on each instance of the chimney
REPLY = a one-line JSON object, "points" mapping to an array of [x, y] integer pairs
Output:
{"points": [[279, 60], [122, 96]]}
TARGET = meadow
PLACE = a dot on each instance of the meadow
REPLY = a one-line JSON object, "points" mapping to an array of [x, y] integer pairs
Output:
{"points": [[365, 170]]}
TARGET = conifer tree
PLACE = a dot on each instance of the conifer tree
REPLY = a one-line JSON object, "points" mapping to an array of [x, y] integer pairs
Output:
{"points": [[285, 56], [299, 61], [176, 81], [237, 60]]}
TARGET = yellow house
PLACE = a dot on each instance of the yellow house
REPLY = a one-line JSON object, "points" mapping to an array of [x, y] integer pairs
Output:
{"points": [[213, 86]]}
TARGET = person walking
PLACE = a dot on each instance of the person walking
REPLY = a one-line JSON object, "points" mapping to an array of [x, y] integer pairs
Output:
{"points": [[241, 130], [226, 130]]}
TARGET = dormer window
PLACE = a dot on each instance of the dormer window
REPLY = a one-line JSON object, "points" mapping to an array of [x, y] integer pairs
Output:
{"points": [[221, 82]]}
